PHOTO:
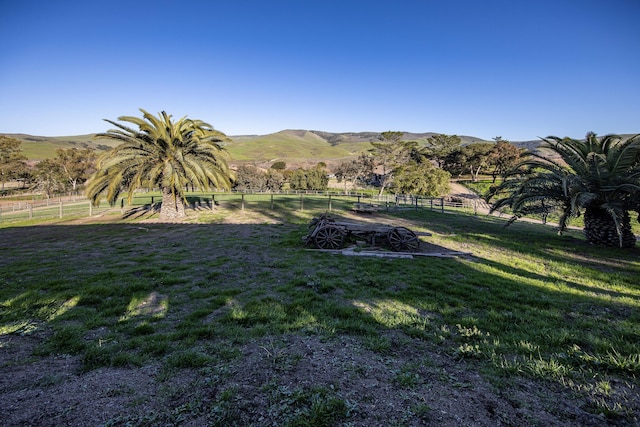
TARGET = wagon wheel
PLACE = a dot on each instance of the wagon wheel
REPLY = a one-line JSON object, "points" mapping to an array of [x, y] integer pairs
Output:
{"points": [[329, 237], [402, 239]]}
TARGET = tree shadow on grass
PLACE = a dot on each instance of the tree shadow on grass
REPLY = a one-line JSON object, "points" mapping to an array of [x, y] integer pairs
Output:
{"points": [[132, 292]]}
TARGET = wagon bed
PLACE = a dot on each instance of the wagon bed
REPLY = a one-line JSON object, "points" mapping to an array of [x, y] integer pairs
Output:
{"points": [[327, 233]]}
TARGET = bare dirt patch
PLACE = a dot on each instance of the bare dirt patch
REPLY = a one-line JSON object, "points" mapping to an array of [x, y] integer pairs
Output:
{"points": [[413, 385]]}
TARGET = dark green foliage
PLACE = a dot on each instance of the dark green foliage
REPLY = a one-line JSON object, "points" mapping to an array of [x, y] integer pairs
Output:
{"points": [[309, 179], [389, 153], [421, 179], [12, 161], [250, 178], [279, 165], [440, 146], [600, 176]]}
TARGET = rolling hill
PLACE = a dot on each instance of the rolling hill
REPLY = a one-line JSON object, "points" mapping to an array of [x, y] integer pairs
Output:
{"points": [[295, 147], [37, 148]]}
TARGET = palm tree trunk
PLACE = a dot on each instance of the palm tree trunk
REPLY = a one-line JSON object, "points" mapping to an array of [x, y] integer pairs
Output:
{"points": [[600, 229], [172, 205]]}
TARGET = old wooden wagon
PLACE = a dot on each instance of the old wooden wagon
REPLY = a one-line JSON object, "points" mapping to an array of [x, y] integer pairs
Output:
{"points": [[327, 233]]}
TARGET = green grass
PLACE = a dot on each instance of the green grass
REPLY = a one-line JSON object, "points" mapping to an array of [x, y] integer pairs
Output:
{"points": [[44, 147], [528, 304], [482, 187], [292, 147]]}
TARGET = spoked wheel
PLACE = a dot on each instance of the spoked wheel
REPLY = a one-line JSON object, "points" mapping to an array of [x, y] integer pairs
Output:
{"points": [[403, 240], [329, 237]]}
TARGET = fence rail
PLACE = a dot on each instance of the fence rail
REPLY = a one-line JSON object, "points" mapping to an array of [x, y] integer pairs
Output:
{"points": [[78, 206]]}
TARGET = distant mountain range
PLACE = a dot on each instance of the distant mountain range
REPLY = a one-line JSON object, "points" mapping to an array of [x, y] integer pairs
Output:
{"points": [[300, 147]]}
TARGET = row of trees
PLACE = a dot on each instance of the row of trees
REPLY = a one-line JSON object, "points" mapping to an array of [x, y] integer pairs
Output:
{"points": [[251, 178], [406, 167], [599, 177], [66, 171], [494, 158]]}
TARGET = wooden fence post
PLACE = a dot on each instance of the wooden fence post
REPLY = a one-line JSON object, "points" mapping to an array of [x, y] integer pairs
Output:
{"points": [[30, 210], [242, 204], [271, 201], [61, 207], [301, 202], [329, 202], [90, 208]]}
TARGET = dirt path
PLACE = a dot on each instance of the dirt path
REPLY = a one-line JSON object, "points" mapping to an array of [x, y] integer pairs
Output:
{"points": [[461, 192]]}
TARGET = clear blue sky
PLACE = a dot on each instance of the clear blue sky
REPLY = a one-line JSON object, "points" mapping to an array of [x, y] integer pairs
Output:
{"points": [[486, 68]]}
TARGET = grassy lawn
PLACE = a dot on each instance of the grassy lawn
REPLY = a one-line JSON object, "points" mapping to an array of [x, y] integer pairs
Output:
{"points": [[248, 327]]}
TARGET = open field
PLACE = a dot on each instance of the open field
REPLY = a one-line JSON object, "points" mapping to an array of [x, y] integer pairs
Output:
{"points": [[225, 319], [295, 147], [36, 148], [292, 147]]}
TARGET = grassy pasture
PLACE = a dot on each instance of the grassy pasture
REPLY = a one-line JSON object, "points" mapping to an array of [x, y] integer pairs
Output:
{"points": [[292, 147], [233, 302], [37, 148]]}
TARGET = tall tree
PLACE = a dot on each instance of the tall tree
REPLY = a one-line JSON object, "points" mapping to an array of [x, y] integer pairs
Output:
{"points": [[440, 146], [298, 180], [309, 179], [345, 172], [275, 180], [455, 162], [389, 152], [12, 161], [478, 156], [250, 178], [49, 177], [503, 157], [317, 178], [163, 154], [600, 176], [355, 170], [76, 165], [421, 179]]}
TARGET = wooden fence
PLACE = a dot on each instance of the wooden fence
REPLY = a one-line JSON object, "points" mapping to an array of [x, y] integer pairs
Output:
{"points": [[78, 206]]}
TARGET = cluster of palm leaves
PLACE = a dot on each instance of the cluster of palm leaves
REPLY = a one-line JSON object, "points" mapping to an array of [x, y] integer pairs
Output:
{"points": [[599, 177], [162, 154]]}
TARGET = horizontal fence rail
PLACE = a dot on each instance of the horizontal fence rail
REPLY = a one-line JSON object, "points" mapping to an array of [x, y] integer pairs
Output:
{"points": [[78, 206]]}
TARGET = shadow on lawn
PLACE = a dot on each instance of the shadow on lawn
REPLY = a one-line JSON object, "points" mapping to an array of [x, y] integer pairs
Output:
{"points": [[106, 268], [144, 289]]}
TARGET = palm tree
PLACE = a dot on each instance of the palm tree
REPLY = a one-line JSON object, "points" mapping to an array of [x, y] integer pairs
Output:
{"points": [[160, 154], [598, 175]]}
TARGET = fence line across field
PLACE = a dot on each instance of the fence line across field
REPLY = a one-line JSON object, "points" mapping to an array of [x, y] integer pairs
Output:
{"points": [[78, 206]]}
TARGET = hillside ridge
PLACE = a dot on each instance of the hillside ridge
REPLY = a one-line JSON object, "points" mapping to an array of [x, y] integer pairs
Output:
{"points": [[291, 145]]}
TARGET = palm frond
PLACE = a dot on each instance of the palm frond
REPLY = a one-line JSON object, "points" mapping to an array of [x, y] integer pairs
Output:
{"points": [[160, 152]]}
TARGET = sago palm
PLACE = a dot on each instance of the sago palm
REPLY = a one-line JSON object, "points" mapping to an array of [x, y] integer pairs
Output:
{"points": [[162, 154], [600, 176]]}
